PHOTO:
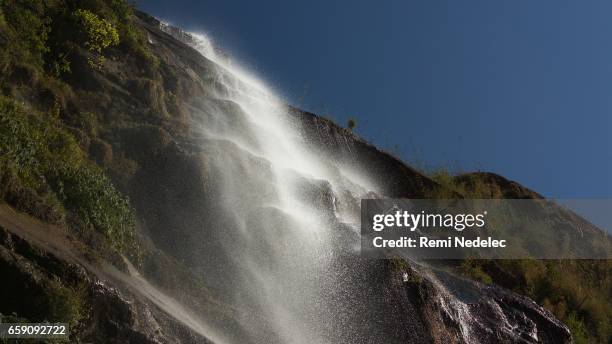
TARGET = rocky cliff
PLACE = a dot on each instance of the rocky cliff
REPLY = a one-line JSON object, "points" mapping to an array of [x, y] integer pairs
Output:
{"points": [[139, 117]]}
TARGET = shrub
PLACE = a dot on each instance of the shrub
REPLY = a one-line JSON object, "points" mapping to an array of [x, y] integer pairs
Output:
{"points": [[31, 28], [43, 34], [351, 124], [99, 34], [473, 271], [578, 329], [38, 154], [62, 303]]}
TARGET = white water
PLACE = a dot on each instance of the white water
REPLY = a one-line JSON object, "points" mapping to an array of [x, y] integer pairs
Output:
{"points": [[280, 203], [141, 286]]}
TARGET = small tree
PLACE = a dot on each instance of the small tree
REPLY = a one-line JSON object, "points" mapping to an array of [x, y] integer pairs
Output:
{"points": [[351, 123], [99, 35]]}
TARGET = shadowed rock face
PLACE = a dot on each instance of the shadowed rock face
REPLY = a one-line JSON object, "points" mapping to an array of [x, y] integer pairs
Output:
{"points": [[149, 144]]}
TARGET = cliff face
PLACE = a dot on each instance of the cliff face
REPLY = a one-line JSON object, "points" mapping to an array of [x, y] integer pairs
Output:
{"points": [[141, 118], [50, 276]]}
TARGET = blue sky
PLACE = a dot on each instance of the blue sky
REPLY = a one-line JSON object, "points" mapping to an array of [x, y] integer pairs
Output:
{"points": [[521, 88]]}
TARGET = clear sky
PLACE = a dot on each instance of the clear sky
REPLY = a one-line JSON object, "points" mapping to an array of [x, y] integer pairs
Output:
{"points": [[521, 88]]}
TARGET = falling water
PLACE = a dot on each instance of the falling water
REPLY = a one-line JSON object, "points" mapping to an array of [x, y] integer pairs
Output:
{"points": [[138, 284], [280, 207]]}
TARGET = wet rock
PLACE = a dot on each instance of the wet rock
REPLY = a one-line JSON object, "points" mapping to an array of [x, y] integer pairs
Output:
{"points": [[457, 310]]}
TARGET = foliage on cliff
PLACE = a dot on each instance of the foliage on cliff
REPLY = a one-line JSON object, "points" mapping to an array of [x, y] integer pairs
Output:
{"points": [[44, 172], [99, 34], [43, 167], [44, 35], [575, 291]]}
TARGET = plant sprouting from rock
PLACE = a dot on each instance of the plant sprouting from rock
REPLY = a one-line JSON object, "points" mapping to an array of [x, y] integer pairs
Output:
{"points": [[99, 35], [351, 124]]}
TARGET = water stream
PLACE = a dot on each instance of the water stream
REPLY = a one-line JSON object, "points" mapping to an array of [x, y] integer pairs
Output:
{"points": [[282, 205]]}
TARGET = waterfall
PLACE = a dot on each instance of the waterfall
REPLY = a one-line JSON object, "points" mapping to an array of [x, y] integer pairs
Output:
{"points": [[274, 251]]}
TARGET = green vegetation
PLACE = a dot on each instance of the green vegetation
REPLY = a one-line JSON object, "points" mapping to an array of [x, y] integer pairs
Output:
{"points": [[44, 172], [56, 119], [469, 268], [99, 34], [351, 124], [45, 35], [43, 169], [578, 292], [470, 187], [62, 304], [34, 29]]}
